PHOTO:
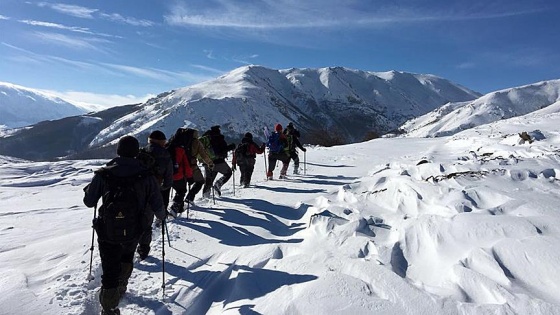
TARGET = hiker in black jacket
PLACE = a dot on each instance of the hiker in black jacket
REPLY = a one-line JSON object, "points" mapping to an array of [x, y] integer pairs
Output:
{"points": [[163, 171], [116, 255], [220, 150], [293, 143]]}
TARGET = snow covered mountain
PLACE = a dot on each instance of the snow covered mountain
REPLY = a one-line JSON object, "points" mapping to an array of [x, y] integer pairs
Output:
{"points": [[347, 102], [21, 106], [454, 117]]}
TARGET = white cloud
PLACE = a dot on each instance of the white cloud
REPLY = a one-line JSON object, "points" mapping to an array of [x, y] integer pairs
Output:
{"points": [[127, 20], [466, 65], [73, 10], [278, 14], [71, 41], [98, 101], [56, 25], [88, 13], [3, 17]]}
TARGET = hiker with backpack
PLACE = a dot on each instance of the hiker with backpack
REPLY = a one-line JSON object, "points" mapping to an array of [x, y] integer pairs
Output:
{"points": [[218, 148], [245, 156], [178, 147], [277, 145], [157, 158], [196, 151], [127, 189], [293, 135]]}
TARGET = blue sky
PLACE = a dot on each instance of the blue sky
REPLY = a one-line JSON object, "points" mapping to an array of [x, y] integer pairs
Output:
{"points": [[117, 52]]}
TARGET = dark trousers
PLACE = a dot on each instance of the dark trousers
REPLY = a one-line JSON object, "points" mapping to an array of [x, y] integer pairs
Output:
{"points": [[180, 187], [246, 167], [222, 168], [146, 237], [294, 156], [198, 183], [112, 255], [273, 158]]}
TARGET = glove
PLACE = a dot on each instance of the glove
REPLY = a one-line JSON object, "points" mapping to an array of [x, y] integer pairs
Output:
{"points": [[233, 167], [262, 146], [304, 150], [211, 167], [190, 180]]}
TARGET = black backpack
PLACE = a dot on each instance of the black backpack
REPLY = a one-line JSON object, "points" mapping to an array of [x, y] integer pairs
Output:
{"points": [[120, 216], [242, 151], [183, 137], [154, 161]]}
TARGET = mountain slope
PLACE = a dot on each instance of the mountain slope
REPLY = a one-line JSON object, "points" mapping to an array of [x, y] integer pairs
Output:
{"points": [[348, 102], [21, 106], [327, 102], [454, 117]]}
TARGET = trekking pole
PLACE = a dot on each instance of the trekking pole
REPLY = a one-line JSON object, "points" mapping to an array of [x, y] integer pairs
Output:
{"points": [[163, 227], [90, 277], [234, 183], [265, 167], [188, 203], [304, 163]]}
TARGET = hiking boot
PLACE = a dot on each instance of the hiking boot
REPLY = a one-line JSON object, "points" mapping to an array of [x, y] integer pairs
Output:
{"points": [[109, 299], [207, 195], [172, 213], [218, 190], [177, 207], [143, 251], [296, 171], [282, 176], [191, 203], [245, 185], [114, 311]]}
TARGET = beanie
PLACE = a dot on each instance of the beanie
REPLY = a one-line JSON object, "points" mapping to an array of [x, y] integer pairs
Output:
{"points": [[215, 128], [128, 146], [290, 126], [249, 135], [157, 135], [278, 127]]}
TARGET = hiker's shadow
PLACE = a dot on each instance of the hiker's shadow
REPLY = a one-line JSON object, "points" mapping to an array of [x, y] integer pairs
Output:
{"points": [[263, 206], [229, 235], [231, 284], [269, 222]]}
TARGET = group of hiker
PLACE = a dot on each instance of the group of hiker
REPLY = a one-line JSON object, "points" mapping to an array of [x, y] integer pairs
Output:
{"points": [[136, 186]]}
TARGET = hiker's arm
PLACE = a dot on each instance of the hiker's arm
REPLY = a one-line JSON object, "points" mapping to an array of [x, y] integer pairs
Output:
{"points": [[154, 198], [93, 191], [167, 175]]}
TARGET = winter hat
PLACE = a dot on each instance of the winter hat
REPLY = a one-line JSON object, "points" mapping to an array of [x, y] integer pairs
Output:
{"points": [[278, 127], [290, 126], [215, 128], [128, 146], [157, 135], [249, 135]]}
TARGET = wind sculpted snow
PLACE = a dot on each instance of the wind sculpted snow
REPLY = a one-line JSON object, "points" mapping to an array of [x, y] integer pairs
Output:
{"points": [[466, 224]]}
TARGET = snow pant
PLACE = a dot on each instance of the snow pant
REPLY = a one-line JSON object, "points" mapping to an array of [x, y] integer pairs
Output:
{"points": [[116, 263], [273, 157], [222, 168], [294, 156], [246, 167], [146, 237], [198, 180], [180, 187]]}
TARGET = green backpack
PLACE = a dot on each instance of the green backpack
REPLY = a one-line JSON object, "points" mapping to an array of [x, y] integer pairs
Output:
{"points": [[205, 140]]}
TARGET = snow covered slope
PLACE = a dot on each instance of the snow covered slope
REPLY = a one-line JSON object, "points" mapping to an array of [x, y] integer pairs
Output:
{"points": [[467, 224], [454, 117], [20, 106], [343, 101]]}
